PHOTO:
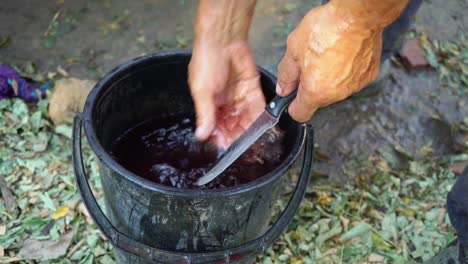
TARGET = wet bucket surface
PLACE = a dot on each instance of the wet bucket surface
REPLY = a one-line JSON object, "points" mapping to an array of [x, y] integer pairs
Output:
{"points": [[151, 223]]}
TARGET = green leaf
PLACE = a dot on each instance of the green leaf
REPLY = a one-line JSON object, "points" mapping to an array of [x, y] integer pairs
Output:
{"points": [[92, 240], [36, 121], [283, 257], [47, 201], [430, 55], [64, 130], [267, 260], [327, 235], [20, 110], [388, 226], [36, 164], [418, 168], [356, 231], [35, 223], [4, 41], [49, 41], [106, 259], [89, 259], [42, 106]]}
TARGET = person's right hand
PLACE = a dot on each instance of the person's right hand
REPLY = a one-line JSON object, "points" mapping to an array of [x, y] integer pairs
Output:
{"points": [[334, 52]]}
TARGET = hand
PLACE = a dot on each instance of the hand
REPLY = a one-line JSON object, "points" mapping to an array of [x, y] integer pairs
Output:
{"points": [[333, 53], [226, 89], [223, 77]]}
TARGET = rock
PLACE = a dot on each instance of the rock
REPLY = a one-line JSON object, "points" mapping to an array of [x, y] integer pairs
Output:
{"points": [[413, 55], [68, 98], [459, 166]]}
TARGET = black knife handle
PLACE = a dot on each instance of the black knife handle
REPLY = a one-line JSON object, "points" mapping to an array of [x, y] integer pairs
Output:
{"points": [[279, 104]]}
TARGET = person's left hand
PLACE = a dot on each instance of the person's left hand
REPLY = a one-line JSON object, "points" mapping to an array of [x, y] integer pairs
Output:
{"points": [[225, 86]]}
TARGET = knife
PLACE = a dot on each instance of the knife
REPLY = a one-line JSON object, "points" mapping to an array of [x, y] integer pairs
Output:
{"points": [[268, 119]]}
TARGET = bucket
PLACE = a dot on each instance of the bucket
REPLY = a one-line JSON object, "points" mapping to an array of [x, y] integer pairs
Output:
{"points": [[151, 223]]}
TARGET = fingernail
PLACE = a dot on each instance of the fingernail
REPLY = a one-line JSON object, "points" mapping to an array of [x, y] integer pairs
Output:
{"points": [[203, 131], [200, 132], [279, 90]]}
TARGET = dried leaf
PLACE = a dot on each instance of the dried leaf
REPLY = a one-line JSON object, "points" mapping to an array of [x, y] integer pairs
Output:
{"points": [[344, 223], [2, 229], [375, 258], [62, 71], [7, 195], [46, 250], [61, 212]]}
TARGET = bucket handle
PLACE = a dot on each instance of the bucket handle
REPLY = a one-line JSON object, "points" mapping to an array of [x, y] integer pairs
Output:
{"points": [[156, 255]]}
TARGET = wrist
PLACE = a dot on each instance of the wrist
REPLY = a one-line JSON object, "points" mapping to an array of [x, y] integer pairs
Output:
{"points": [[212, 30], [224, 21], [368, 14]]}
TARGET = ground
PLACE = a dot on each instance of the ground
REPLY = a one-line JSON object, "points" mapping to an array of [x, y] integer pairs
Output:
{"points": [[377, 155]]}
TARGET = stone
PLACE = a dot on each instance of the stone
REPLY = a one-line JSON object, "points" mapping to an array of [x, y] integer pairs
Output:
{"points": [[412, 55], [459, 166], [68, 98]]}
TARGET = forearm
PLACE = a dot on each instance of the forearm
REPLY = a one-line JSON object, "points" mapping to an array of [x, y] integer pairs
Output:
{"points": [[372, 14], [224, 21]]}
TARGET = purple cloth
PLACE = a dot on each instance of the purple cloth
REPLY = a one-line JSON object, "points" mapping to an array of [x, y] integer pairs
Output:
{"points": [[13, 85]]}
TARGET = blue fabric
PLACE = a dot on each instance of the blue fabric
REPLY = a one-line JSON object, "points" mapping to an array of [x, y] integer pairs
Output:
{"points": [[457, 207], [394, 33]]}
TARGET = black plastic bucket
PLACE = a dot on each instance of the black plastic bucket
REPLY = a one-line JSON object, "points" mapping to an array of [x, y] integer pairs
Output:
{"points": [[150, 223]]}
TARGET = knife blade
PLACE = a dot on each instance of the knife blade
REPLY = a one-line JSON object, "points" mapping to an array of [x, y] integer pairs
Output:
{"points": [[267, 120]]}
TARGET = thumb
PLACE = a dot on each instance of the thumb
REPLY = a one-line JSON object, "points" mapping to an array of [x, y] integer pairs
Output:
{"points": [[302, 107], [288, 75]]}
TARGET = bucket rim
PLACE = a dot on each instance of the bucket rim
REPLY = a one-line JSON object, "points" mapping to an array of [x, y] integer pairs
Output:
{"points": [[120, 72]]}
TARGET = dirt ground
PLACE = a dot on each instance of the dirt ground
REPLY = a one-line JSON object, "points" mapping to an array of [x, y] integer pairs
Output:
{"points": [[409, 112], [388, 205]]}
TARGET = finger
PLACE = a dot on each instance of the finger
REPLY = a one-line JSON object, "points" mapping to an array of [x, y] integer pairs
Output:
{"points": [[288, 75], [303, 107], [205, 110], [203, 99]]}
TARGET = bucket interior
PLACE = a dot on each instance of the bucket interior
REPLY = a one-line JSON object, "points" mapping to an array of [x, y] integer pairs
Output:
{"points": [[153, 86]]}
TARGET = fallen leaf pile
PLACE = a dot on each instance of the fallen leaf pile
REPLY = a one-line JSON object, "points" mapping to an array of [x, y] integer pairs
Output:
{"points": [[386, 217], [41, 214], [451, 61]]}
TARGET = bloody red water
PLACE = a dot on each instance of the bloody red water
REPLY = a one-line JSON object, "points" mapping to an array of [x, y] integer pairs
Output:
{"points": [[165, 151]]}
